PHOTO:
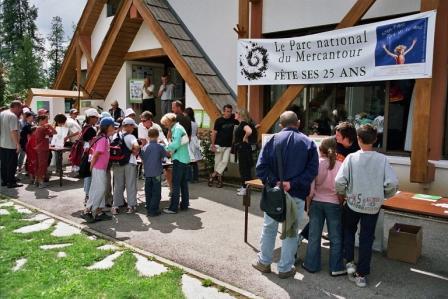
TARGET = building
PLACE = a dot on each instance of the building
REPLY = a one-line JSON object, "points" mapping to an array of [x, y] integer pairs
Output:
{"points": [[195, 42]]}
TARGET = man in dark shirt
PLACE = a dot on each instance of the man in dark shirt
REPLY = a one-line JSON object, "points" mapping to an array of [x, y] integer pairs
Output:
{"points": [[221, 143], [178, 108]]}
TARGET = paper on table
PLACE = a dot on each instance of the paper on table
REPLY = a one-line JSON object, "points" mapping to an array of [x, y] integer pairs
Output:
{"points": [[58, 139], [426, 197]]}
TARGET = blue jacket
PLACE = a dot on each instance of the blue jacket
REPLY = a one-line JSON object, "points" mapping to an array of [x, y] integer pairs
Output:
{"points": [[300, 161]]}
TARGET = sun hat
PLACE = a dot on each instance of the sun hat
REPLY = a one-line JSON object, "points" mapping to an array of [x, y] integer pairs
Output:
{"points": [[92, 112], [107, 121], [129, 111], [105, 114], [128, 121], [42, 111]]}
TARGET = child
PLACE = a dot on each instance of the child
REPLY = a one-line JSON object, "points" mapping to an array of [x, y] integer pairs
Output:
{"points": [[152, 155], [364, 180], [99, 161], [43, 132], [31, 158], [325, 206]]}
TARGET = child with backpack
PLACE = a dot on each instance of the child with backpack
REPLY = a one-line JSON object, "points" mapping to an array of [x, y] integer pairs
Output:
{"points": [[125, 168], [99, 161], [324, 206], [364, 180], [42, 134], [153, 154]]}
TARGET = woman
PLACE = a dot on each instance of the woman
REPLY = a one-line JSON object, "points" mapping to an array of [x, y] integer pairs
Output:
{"points": [[243, 135], [194, 147], [89, 132], [148, 103]]}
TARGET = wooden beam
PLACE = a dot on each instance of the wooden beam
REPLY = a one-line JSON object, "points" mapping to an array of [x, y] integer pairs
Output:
{"points": [[85, 43], [91, 10], [182, 67], [145, 54], [256, 93], [243, 32], [133, 13], [355, 14], [78, 66], [65, 67], [107, 45], [430, 101]]}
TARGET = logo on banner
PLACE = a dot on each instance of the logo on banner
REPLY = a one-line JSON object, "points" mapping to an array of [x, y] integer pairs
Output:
{"points": [[254, 62]]}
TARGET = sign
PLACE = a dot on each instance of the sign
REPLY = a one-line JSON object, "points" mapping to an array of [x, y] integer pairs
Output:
{"points": [[43, 105], [202, 119], [395, 49], [136, 91]]}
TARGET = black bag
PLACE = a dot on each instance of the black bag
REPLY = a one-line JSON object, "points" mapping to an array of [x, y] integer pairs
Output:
{"points": [[119, 152], [273, 199], [84, 166]]}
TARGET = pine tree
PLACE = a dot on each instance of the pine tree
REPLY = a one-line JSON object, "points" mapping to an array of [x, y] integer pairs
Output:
{"points": [[57, 49], [26, 70], [2, 85]]}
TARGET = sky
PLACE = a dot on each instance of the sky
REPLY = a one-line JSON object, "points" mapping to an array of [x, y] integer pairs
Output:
{"points": [[69, 10]]}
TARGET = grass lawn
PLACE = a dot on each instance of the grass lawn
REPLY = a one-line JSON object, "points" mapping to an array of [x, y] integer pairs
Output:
{"points": [[46, 276]]}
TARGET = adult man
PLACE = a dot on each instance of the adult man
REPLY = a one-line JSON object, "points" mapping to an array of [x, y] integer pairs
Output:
{"points": [[221, 139], [10, 143], [116, 112], [147, 123], [177, 107], [300, 165], [125, 174], [166, 94], [74, 115]]}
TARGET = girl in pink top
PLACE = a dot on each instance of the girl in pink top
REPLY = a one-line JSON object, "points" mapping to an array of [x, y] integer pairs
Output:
{"points": [[99, 160], [325, 206]]}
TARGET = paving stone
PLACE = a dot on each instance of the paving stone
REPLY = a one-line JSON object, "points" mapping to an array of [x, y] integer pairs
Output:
{"points": [[6, 204], [108, 247], [22, 210], [2, 227], [148, 268], [61, 254], [106, 263], [19, 264], [65, 230], [4, 212], [193, 289], [46, 224], [54, 246], [38, 217]]}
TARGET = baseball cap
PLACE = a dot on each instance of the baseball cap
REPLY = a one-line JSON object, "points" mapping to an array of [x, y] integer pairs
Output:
{"points": [[129, 111], [128, 121], [107, 121], [42, 111], [92, 112], [73, 111], [105, 114]]}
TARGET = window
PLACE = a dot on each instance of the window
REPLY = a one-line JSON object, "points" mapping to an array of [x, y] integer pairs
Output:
{"points": [[112, 7], [386, 105]]}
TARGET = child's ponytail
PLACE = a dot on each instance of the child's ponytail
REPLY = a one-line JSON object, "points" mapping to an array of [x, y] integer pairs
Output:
{"points": [[328, 148]]}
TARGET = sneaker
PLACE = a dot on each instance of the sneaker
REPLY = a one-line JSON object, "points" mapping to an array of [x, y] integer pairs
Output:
{"points": [[130, 210], [114, 211], [242, 192], [290, 273], [168, 211], [103, 216], [14, 185], [338, 273], [360, 281], [88, 217], [153, 214], [239, 189], [261, 267], [351, 268]]}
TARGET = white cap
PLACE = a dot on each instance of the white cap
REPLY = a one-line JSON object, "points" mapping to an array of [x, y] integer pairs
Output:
{"points": [[128, 121], [92, 112], [26, 109], [129, 111]]}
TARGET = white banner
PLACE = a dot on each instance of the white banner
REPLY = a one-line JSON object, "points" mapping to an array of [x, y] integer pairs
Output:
{"points": [[395, 49]]}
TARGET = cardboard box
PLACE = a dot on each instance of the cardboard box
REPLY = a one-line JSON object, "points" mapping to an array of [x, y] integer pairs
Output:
{"points": [[405, 243]]}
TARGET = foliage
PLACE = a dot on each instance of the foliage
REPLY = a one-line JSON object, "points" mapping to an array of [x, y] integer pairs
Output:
{"points": [[2, 86], [56, 52], [207, 283], [209, 156]]}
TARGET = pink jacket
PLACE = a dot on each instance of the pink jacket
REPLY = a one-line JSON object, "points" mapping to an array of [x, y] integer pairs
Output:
{"points": [[323, 187]]}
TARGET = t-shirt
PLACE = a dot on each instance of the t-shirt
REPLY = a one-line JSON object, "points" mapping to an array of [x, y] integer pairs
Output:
{"points": [[323, 189], [73, 127], [26, 130], [43, 138], [342, 151], [143, 132], [224, 131], [8, 123], [145, 93], [168, 93], [239, 132], [152, 155], [102, 146]]}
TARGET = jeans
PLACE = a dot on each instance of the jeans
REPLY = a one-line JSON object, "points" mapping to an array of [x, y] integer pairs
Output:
{"points": [[21, 158], [87, 183], [366, 238], [180, 185], [289, 245], [245, 162], [194, 177], [319, 213], [153, 190], [8, 158]]}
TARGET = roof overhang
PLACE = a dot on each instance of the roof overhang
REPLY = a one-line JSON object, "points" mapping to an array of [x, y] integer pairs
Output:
{"points": [[52, 93]]}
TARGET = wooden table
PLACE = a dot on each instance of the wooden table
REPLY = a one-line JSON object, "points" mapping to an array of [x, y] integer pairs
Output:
{"points": [[59, 152], [402, 202]]}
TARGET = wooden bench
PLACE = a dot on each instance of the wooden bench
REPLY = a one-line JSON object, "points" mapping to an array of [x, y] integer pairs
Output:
{"points": [[401, 202]]}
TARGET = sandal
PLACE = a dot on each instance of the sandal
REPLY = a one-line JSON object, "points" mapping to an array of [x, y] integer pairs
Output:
{"points": [[220, 183], [211, 179]]}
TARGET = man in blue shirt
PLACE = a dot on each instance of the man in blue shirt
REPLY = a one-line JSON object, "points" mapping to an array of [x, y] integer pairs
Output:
{"points": [[300, 165]]}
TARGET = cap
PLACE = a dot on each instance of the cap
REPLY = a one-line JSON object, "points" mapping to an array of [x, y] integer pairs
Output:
{"points": [[73, 111], [92, 112], [129, 111], [26, 109], [107, 121], [105, 114], [42, 111], [128, 121]]}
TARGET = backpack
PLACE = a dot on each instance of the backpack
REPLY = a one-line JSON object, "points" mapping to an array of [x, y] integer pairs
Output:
{"points": [[119, 152], [84, 165], [77, 151]]}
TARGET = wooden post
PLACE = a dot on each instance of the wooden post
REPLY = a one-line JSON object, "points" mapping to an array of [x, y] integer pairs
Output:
{"points": [[430, 101], [242, 29], [78, 73]]}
